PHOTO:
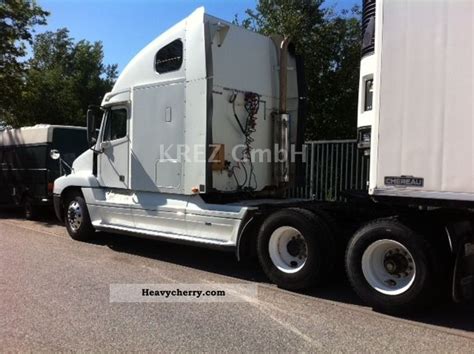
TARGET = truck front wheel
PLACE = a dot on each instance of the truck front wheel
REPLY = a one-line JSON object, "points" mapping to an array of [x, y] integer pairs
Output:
{"points": [[392, 268], [294, 249], [77, 219]]}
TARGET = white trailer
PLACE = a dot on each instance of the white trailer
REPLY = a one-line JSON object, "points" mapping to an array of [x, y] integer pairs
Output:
{"points": [[416, 122], [420, 69], [196, 145]]}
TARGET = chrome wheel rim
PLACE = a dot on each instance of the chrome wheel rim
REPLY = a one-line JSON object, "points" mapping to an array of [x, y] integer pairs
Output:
{"points": [[74, 215], [389, 267], [288, 249]]}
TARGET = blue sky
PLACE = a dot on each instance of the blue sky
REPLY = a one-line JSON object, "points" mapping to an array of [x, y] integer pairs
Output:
{"points": [[126, 26]]}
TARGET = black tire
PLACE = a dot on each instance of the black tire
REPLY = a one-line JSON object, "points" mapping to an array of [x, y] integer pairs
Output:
{"points": [[84, 230], [429, 276], [339, 239], [319, 248], [31, 212]]}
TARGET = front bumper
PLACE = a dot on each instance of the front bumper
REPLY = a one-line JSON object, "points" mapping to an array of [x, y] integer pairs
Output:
{"points": [[58, 207]]}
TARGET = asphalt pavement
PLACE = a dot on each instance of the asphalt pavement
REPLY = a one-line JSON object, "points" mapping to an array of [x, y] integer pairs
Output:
{"points": [[54, 296]]}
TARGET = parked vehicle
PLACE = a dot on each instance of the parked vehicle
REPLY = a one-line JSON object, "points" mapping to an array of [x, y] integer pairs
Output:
{"points": [[27, 172], [180, 155]]}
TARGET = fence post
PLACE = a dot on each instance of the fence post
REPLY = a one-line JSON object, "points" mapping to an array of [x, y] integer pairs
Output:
{"points": [[311, 173]]}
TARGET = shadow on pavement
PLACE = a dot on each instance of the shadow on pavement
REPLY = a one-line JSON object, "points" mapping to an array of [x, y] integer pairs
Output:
{"points": [[45, 217], [448, 315]]}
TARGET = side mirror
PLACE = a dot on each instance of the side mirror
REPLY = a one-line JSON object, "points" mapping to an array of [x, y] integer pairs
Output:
{"points": [[54, 154], [91, 124], [105, 145]]}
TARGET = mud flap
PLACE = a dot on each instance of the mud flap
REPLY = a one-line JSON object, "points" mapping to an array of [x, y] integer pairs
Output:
{"points": [[466, 282]]}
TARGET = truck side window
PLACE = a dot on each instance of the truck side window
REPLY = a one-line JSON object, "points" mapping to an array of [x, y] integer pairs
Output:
{"points": [[116, 125], [170, 57]]}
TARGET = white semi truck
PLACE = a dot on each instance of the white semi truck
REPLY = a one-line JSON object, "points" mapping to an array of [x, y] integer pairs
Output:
{"points": [[197, 141]]}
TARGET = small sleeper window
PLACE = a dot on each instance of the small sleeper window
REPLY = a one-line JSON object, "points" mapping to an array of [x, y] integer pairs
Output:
{"points": [[170, 57], [369, 94]]}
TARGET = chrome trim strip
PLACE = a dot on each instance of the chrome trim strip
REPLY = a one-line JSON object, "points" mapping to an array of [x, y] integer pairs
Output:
{"points": [[162, 235]]}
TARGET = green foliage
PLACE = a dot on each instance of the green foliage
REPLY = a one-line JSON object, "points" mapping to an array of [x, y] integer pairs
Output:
{"points": [[17, 19], [63, 78], [329, 43]]}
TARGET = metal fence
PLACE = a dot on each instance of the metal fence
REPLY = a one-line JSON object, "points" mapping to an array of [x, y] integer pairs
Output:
{"points": [[331, 168]]}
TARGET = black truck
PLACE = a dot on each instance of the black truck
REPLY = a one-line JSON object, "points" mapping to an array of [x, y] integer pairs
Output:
{"points": [[27, 171]]}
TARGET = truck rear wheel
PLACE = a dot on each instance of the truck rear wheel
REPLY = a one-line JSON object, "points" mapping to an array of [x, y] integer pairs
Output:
{"points": [[392, 268], [294, 249], [77, 219]]}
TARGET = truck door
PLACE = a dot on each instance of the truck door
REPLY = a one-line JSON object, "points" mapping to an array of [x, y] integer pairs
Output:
{"points": [[113, 161]]}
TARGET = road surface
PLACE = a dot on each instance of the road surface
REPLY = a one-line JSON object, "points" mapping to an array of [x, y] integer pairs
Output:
{"points": [[55, 296]]}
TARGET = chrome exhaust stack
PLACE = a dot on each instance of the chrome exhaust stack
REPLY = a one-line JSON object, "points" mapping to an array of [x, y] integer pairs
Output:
{"points": [[281, 165]]}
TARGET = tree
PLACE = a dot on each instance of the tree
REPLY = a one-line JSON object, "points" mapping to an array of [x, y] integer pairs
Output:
{"points": [[62, 80], [17, 19], [329, 43]]}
